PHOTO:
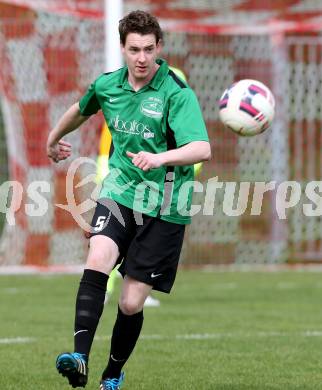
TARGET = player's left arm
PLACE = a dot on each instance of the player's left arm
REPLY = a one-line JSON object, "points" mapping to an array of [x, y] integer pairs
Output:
{"points": [[189, 154]]}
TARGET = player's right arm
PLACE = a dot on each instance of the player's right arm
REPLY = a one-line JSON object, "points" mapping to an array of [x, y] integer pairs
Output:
{"points": [[78, 113], [57, 149]]}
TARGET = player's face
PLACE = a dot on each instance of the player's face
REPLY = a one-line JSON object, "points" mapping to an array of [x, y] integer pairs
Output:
{"points": [[140, 53]]}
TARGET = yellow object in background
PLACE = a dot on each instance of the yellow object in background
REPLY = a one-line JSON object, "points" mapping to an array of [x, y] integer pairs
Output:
{"points": [[178, 72], [104, 151], [105, 141], [197, 168]]}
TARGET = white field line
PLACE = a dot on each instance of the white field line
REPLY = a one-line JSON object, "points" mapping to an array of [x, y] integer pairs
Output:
{"points": [[269, 268], [35, 270], [10, 290], [77, 269], [211, 336], [286, 285], [17, 340], [225, 286], [219, 286], [187, 336]]}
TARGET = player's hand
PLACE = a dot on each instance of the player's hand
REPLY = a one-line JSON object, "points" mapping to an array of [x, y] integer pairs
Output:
{"points": [[145, 160], [60, 151]]}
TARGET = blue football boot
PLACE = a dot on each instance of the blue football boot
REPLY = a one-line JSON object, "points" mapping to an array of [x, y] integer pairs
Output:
{"points": [[74, 367], [112, 383]]}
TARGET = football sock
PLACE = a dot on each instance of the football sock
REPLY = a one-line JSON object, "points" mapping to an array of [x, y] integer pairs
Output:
{"points": [[89, 308], [125, 335]]}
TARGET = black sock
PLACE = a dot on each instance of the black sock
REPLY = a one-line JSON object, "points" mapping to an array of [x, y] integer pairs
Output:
{"points": [[89, 308], [125, 335]]}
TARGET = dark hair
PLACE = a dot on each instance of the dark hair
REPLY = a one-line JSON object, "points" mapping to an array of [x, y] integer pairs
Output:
{"points": [[139, 22]]}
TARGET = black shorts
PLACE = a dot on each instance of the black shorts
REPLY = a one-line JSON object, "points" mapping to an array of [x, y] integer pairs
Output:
{"points": [[149, 247]]}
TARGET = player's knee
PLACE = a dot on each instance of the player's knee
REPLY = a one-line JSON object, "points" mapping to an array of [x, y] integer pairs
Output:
{"points": [[100, 262], [129, 306], [102, 255]]}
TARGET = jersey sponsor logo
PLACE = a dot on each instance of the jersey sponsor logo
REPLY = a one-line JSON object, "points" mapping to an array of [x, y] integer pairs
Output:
{"points": [[152, 107], [113, 99], [132, 127]]}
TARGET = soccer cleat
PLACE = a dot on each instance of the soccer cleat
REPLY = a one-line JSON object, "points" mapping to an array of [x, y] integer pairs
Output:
{"points": [[74, 367], [112, 384]]}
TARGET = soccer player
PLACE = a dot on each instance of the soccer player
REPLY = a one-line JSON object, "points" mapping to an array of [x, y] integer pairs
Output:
{"points": [[101, 173], [158, 134]]}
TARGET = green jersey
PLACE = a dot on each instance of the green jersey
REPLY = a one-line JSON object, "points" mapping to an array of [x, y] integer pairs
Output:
{"points": [[162, 115]]}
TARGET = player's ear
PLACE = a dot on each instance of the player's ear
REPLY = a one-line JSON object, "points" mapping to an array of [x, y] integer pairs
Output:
{"points": [[159, 46]]}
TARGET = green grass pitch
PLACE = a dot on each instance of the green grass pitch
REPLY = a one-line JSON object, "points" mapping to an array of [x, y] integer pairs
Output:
{"points": [[217, 330]]}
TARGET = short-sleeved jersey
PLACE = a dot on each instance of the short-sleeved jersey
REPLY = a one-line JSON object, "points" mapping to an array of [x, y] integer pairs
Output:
{"points": [[162, 115]]}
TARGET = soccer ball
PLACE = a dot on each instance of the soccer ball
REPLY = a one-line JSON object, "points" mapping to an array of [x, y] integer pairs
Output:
{"points": [[247, 107]]}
